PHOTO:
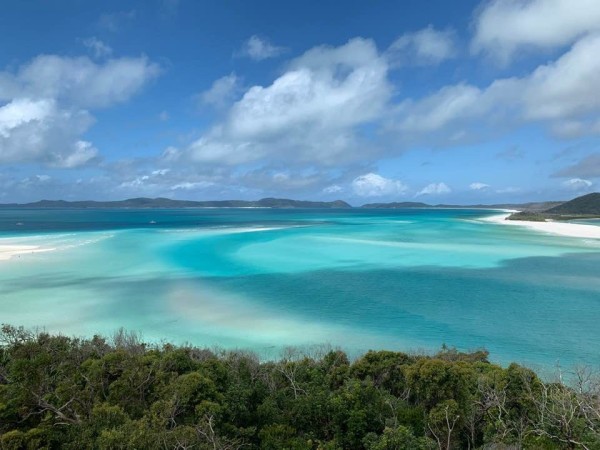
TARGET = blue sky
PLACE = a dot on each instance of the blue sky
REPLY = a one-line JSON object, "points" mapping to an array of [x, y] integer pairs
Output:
{"points": [[454, 102]]}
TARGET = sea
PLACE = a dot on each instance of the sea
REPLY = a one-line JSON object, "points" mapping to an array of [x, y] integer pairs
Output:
{"points": [[264, 280]]}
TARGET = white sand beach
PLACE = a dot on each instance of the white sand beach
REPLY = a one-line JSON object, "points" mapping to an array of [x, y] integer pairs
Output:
{"points": [[8, 251], [559, 228]]}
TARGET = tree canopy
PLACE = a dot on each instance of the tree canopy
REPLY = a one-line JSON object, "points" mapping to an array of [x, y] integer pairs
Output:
{"points": [[59, 392]]}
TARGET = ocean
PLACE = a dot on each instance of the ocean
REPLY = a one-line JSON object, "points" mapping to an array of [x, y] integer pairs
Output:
{"points": [[265, 279]]}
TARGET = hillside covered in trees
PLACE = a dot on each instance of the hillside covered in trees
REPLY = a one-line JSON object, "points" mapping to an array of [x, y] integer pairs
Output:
{"points": [[585, 206], [588, 204], [58, 392]]}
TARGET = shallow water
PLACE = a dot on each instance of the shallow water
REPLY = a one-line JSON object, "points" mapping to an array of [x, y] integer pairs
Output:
{"points": [[263, 279]]}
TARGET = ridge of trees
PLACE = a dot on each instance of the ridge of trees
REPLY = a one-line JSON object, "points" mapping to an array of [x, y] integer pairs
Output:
{"points": [[59, 392]]}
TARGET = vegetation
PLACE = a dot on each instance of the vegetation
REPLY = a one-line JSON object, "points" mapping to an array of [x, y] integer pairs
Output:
{"points": [[58, 392], [528, 215], [585, 205]]}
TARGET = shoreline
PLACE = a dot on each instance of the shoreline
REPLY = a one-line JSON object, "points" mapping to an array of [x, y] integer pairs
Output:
{"points": [[566, 229]]}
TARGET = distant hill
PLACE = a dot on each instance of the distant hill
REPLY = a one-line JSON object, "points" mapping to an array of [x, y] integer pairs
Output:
{"points": [[168, 203], [143, 202], [286, 203], [533, 206], [585, 205]]}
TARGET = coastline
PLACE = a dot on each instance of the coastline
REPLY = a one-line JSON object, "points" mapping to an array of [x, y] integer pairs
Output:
{"points": [[567, 229]]}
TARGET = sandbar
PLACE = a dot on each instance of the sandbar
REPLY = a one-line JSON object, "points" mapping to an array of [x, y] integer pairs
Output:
{"points": [[551, 227]]}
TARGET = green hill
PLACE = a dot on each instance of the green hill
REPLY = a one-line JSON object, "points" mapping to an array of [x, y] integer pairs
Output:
{"points": [[585, 205]]}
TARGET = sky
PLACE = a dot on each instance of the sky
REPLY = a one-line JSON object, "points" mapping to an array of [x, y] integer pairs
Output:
{"points": [[365, 101]]}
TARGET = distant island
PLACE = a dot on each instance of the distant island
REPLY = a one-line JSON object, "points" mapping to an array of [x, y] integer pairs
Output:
{"points": [[587, 206], [143, 202], [584, 207], [396, 205]]}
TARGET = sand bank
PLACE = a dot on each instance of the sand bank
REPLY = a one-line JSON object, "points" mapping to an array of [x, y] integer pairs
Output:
{"points": [[559, 228], [8, 251]]}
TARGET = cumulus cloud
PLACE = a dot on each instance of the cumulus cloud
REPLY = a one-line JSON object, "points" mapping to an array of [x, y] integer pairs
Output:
{"points": [[308, 114], [80, 153], [222, 92], [425, 47], [47, 102], [258, 48], [39, 131], [79, 81], [435, 189], [554, 93], [577, 184], [374, 185], [504, 26], [478, 186]]}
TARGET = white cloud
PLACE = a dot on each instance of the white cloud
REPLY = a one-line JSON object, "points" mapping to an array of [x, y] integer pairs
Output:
{"points": [[80, 153], [222, 92], [567, 88], [308, 114], [79, 81], [478, 186], [555, 93], [424, 47], [258, 48], [374, 185], [39, 131], [188, 186], [98, 48], [435, 189], [47, 101], [505, 26], [577, 184]]}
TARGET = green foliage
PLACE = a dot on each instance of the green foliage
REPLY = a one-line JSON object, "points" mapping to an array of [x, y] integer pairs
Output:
{"points": [[588, 204], [65, 393], [399, 438]]}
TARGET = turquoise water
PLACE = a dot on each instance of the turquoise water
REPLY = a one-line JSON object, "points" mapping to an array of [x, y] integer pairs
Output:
{"points": [[263, 279]]}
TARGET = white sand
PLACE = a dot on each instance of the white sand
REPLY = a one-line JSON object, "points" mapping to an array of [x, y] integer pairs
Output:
{"points": [[560, 228], [9, 251]]}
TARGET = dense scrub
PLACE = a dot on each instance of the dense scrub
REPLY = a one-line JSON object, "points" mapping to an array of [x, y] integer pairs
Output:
{"points": [[67, 393]]}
